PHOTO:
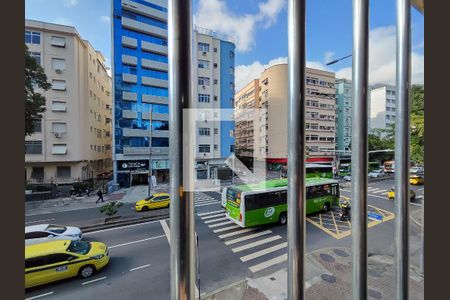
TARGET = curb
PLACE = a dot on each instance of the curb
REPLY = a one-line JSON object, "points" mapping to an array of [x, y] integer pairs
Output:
{"points": [[101, 226]]}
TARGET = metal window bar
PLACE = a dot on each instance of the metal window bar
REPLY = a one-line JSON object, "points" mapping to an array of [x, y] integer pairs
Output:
{"points": [[182, 243]]}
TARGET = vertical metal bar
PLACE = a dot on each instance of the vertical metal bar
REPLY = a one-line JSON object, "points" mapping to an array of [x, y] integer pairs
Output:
{"points": [[359, 148], [402, 138], [150, 172], [182, 244], [296, 149]]}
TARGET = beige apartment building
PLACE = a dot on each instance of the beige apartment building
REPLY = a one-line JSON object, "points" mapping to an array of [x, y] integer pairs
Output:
{"points": [[72, 141], [267, 133]]}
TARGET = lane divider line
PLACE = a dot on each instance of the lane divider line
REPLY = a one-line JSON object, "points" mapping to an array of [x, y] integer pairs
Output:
{"points": [[39, 296], [94, 280], [135, 242], [141, 267], [44, 220]]}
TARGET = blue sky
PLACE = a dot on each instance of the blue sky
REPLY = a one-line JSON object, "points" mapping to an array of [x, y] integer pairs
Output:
{"points": [[259, 30]]}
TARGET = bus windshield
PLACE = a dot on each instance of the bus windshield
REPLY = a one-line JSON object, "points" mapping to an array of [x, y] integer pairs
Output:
{"points": [[233, 197]]}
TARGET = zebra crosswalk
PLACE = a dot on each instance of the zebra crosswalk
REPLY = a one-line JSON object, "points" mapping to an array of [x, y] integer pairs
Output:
{"points": [[201, 199], [372, 190], [258, 247]]}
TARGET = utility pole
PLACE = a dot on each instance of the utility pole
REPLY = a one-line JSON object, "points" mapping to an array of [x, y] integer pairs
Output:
{"points": [[150, 127]]}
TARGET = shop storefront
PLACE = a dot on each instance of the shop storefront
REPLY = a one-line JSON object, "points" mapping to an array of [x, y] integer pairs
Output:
{"points": [[135, 172]]}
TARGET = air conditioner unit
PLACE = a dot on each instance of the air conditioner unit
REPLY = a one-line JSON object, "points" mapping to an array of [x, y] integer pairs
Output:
{"points": [[58, 135], [58, 71]]}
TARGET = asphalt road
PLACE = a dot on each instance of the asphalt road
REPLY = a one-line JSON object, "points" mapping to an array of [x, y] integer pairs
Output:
{"points": [[140, 254]]}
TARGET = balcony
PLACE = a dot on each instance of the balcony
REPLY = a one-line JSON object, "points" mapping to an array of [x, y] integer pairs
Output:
{"points": [[145, 150], [154, 65], [150, 47], [129, 78], [155, 82], [154, 99], [144, 28], [145, 133], [144, 10]]}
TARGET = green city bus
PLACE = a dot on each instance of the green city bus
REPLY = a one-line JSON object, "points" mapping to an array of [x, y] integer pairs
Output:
{"points": [[266, 202]]}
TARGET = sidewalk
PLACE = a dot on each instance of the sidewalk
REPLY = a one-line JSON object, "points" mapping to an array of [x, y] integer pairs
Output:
{"points": [[328, 277], [128, 195]]}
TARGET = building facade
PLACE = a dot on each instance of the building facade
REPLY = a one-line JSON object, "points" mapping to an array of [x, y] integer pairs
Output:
{"points": [[343, 114], [72, 141], [140, 82], [382, 107], [214, 91], [269, 136]]}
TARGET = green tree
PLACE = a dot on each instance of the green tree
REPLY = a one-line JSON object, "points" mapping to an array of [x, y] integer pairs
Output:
{"points": [[34, 102]]}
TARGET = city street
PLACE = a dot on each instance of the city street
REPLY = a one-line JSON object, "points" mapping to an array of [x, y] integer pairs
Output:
{"points": [[140, 254]]}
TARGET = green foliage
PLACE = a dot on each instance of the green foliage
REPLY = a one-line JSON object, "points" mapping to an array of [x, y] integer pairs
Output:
{"points": [[34, 102], [82, 186], [111, 208]]}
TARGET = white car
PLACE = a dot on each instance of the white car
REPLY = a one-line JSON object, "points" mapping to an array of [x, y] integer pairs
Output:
{"points": [[416, 170], [46, 232], [376, 173], [348, 178]]}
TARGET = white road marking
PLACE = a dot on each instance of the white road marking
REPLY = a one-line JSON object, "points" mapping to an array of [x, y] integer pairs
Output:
{"points": [[94, 280], [215, 202], [135, 242], [226, 228], [416, 204], [216, 220], [166, 230], [268, 263], [255, 244], [205, 201], [213, 216], [138, 268], [39, 296], [45, 220], [264, 252], [235, 233], [247, 237], [372, 195], [220, 224], [210, 213], [122, 227]]}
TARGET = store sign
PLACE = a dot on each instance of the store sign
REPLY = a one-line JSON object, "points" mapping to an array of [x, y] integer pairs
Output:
{"points": [[132, 165]]}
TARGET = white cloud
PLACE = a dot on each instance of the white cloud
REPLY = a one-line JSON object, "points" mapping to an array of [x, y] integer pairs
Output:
{"points": [[105, 19], [70, 3], [246, 73], [215, 15], [63, 21], [382, 58], [328, 56]]}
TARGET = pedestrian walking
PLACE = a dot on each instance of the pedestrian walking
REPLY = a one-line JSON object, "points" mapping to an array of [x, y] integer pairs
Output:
{"points": [[72, 193], [100, 196], [88, 191]]}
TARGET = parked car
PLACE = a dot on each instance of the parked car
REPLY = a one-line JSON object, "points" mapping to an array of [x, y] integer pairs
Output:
{"points": [[376, 173], [416, 170], [348, 178], [47, 232], [154, 201], [56, 260], [391, 194]]}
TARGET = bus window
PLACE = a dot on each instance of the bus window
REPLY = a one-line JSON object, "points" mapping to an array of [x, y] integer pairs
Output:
{"points": [[262, 200]]}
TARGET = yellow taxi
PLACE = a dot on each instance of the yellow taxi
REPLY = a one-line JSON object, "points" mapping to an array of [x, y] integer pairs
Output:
{"points": [[61, 259], [416, 179], [154, 201], [391, 195]]}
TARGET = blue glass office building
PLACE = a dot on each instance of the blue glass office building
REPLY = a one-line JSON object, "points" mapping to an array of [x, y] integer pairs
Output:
{"points": [[140, 79]]}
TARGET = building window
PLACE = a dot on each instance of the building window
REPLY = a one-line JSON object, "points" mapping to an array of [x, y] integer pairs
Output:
{"points": [[231, 70], [215, 65], [203, 98], [58, 64], [216, 147], [59, 128], [204, 148], [216, 130], [33, 147], [215, 98], [203, 81], [58, 106], [215, 81], [203, 47], [37, 126], [58, 41], [204, 131], [215, 49], [59, 149], [203, 64], [231, 54], [63, 172], [36, 56], [32, 37], [37, 173], [231, 148], [58, 85]]}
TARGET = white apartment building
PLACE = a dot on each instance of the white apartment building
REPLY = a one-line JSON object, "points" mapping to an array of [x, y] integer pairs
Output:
{"points": [[214, 56], [382, 106], [72, 141]]}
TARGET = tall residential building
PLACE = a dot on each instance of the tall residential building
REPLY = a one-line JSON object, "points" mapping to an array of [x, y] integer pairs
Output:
{"points": [[343, 114], [140, 82], [214, 90], [269, 136], [382, 106], [72, 141]]}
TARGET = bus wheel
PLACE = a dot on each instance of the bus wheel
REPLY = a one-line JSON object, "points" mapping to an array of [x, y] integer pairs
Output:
{"points": [[326, 207], [282, 219]]}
